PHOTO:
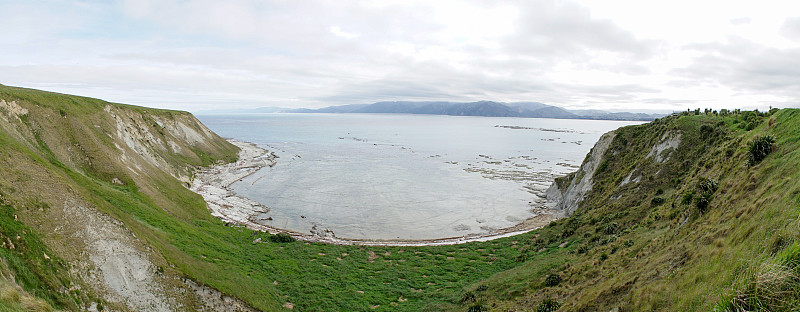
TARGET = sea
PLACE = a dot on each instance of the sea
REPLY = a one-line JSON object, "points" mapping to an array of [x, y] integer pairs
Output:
{"points": [[408, 177]]}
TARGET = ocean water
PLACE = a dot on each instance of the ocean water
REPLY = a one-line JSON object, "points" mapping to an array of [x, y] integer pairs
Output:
{"points": [[376, 176]]}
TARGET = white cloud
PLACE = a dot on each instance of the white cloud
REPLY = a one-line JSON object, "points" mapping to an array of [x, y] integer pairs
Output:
{"points": [[194, 54], [341, 33], [791, 29]]}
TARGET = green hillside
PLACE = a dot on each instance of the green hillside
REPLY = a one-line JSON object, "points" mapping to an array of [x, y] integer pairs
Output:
{"points": [[94, 213], [66, 157], [709, 228]]}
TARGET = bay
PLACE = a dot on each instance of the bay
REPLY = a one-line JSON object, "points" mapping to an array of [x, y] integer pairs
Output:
{"points": [[388, 176]]}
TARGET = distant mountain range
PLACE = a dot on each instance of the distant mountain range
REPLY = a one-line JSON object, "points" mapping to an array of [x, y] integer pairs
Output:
{"points": [[481, 108]]}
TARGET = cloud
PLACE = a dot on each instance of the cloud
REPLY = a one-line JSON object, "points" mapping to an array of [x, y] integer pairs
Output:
{"points": [[741, 21], [565, 29], [345, 52], [746, 66], [791, 28], [339, 32], [200, 53]]}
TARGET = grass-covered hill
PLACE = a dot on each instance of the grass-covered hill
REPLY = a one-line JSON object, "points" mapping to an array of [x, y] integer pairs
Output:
{"points": [[87, 188], [676, 214], [696, 212], [95, 214]]}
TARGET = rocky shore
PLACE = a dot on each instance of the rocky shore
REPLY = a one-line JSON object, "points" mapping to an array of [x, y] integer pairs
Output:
{"points": [[214, 185]]}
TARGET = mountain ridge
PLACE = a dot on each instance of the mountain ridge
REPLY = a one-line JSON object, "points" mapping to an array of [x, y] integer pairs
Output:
{"points": [[478, 108]]}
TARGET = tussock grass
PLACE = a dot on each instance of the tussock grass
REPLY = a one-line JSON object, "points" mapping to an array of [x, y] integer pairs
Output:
{"points": [[14, 298], [704, 230]]}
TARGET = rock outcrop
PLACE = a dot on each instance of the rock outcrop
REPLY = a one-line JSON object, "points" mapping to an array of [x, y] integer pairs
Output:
{"points": [[567, 196], [668, 143]]}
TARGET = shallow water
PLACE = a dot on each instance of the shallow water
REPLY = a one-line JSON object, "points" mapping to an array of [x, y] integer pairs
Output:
{"points": [[373, 176]]}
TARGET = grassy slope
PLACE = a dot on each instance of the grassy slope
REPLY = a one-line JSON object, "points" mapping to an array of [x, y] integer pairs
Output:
{"points": [[28, 262], [172, 220], [651, 261], [626, 250]]}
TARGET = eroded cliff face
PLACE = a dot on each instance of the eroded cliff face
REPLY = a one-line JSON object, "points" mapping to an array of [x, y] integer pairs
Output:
{"points": [[568, 196], [54, 146], [153, 140]]}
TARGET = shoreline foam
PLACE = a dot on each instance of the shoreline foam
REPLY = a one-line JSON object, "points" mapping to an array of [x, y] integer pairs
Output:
{"points": [[214, 183]]}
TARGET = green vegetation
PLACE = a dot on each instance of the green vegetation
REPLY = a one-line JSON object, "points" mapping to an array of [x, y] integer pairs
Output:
{"points": [[281, 238], [714, 226], [760, 147], [266, 271], [14, 298], [33, 267], [552, 280], [700, 231], [548, 305]]}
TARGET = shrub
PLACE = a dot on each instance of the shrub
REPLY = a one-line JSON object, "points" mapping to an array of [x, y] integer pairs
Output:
{"points": [[548, 305], [611, 228], [706, 131], [281, 238], [657, 201], [567, 232], [603, 166], [468, 297], [702, 202], [477, 306], [707, 186], [552, 280], [687, 197], [760, 147]]}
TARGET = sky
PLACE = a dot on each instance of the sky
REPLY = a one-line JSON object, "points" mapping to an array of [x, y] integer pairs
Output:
{"points": [[593, 54]]}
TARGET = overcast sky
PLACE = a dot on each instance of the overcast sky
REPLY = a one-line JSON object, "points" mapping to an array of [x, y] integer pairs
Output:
{"points": [[206, 54]]}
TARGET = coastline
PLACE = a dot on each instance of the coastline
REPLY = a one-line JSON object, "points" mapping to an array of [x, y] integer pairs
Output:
{"points": [[213, 183]]}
